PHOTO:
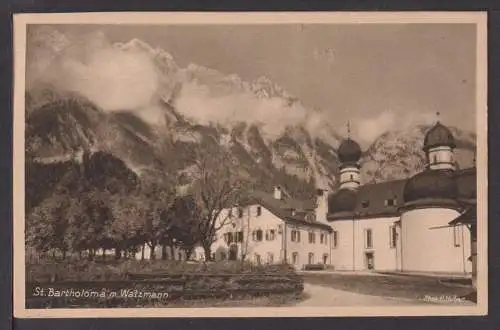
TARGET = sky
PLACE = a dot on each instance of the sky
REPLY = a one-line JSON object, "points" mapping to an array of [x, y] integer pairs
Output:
{"points": [[369, 74]]}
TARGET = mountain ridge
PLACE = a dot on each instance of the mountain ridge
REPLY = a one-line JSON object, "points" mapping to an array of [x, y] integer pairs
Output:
{"points": [[296, 145]]}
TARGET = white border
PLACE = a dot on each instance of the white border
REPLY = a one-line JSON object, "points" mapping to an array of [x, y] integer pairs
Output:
{"points": [[20, 22]]}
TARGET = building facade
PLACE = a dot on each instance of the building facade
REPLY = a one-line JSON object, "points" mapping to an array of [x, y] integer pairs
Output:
{"points": [[273, 228]]}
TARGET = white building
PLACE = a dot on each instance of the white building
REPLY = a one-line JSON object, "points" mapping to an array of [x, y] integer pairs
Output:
{"points": [[274, 228], [403, 225]]}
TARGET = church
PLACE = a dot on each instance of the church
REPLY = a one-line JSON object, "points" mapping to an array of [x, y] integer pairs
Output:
{"points": [[404, 225]]}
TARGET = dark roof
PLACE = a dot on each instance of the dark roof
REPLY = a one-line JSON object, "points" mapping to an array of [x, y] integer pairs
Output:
{"points": [[438, 135], [349, 151], [343, 200], [466, 184], [467, 217], [437, 187], [371, 200], [431, 184], [288, 209]]}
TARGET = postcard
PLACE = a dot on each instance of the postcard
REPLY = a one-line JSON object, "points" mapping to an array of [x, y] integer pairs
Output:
{"points": [[250, 164]]}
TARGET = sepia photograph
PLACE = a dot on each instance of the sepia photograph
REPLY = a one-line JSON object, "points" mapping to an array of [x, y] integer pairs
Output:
{"points": [[237, 164]]}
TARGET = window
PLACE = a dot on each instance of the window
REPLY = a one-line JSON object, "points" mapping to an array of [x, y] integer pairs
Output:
{"points": [[258, 261], [295, 258], [393, 236], [270, 234], [310, 258], [240, 213], [352, 177], [239, 236], [335, 238], [434, 159], [312, 237], [259, 210], [390, 202], [295, 237], [257, 235], [311, 217], [456, 236], [228, 238], [322, 238], [368, 239], [325, 259], [365, 204], [270, 258]]}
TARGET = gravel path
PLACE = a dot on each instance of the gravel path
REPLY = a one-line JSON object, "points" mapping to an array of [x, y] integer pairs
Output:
{"points": [[324, 296]]}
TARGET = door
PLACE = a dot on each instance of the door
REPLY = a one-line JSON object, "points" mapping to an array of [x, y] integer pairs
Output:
{"points": [[370, 260]]}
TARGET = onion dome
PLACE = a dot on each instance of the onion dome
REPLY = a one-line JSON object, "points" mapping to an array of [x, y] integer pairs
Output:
{"points": [[430, 184], [439, 135], [343, 200], [466, 184], [349, 151]]}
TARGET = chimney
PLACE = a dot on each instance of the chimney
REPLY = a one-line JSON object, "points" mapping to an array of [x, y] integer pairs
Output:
{"points": [[277, 192], [321, 205]]}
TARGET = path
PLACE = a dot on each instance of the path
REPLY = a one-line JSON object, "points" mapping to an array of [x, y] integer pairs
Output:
{"points": [[324, 296]]}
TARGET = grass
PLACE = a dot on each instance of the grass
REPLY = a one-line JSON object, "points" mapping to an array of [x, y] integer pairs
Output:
{"points": [[188, 284], [394, 286]]}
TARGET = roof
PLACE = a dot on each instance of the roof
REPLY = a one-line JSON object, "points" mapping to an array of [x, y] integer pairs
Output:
{"points": [[466, 184], [439, 135], [467, 217], [440, 184], [349, 151], [374, 200], [288, 209]]}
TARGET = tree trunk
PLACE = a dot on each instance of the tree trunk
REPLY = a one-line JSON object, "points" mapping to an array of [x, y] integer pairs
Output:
{"points": [[163, 252], [118, 253], [152, 255], [142, 250], [64, 254], [103, 254], [208, 252], [172, 253]]}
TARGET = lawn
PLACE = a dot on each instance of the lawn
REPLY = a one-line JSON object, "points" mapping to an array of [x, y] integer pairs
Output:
{"points": [[394, 286]]}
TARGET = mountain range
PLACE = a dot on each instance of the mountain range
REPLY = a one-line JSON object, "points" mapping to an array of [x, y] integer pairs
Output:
{"points": [[300, 154]]}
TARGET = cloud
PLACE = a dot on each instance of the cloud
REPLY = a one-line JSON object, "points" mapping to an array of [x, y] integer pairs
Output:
{"points": [[126, 76], [368, 129], [113, 78], [273, 115]]}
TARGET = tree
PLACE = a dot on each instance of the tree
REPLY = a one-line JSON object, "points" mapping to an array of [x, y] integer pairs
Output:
{"points": [[184, 213], [47, 225], [217, 187], [155, 197], [127, 229]]}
